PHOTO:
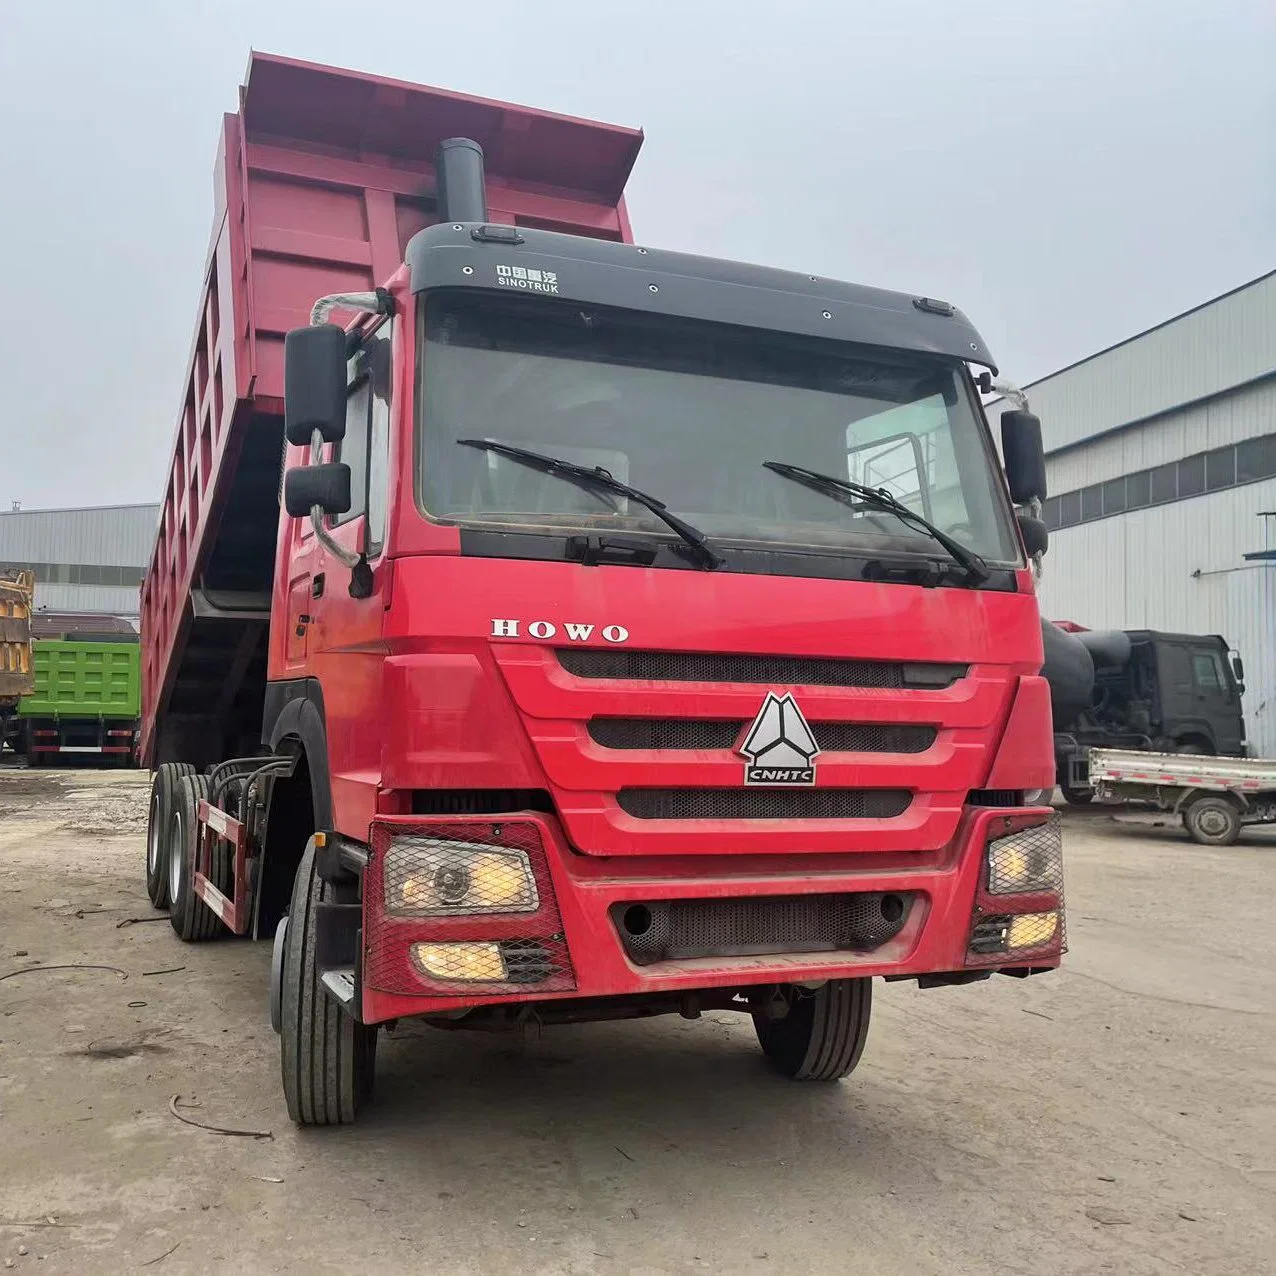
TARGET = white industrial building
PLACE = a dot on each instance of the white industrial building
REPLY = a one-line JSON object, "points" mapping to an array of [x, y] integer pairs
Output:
{"points": [[1161, 462], [85, 560]]}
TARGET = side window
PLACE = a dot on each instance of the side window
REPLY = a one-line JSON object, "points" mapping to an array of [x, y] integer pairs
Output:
{"points": [[354, 447], [1207, 671], [380, 366], [366, 447]]}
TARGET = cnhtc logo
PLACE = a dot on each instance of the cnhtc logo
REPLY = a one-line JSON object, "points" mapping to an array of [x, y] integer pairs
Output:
{"points": [[780, 748]]}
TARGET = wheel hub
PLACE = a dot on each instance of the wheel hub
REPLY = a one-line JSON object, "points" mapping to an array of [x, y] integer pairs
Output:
{"points": [[153, 839], [1213, 823], [176, 853]]}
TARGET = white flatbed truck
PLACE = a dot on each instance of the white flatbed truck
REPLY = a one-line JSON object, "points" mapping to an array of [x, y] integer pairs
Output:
{"points": [[1214, 797]]}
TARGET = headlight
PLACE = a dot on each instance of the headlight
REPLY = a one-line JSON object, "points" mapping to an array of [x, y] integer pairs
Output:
{"points": [[431, 876], [1027, 861]]}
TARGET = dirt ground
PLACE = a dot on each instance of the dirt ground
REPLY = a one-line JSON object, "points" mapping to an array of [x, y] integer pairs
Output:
{"points": [[1119, 1116]]}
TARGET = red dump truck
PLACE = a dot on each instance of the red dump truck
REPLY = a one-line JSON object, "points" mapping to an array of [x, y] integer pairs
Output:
{"points": [[547, 628]]}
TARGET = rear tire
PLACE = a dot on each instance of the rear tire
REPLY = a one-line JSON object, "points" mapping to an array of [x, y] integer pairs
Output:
{"points": [[823, 1035], [192, 919], [328, 1060], [1212, 821], [163, 787]]}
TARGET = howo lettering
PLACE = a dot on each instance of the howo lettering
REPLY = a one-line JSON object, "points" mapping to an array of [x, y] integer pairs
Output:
{"points": [[656, 638]]}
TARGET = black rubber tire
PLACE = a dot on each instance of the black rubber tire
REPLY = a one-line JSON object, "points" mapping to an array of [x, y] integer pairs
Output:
{"points": [[192, 919], [1193, 748], [823, 1035], [163, 785], [1212, 820], [328, 1060], [1076, 797]]}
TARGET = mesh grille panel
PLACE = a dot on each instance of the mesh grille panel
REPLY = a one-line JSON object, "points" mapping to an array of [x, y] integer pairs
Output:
{"points": [[763, 804], [1026, 861], [680, 929], [683, 666], [427, 947], [705, 733], [1027, 864]]}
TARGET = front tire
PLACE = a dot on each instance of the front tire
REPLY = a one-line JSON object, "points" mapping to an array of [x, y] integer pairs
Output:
{"points": [[328, 1060], [1212, 821], [822, 1037]]}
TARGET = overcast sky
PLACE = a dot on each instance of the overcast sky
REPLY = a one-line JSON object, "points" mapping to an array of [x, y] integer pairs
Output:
{"points": [[1067, 173]]}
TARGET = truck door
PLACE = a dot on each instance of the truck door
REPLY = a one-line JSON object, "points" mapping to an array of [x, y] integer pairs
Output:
{"points": [[346, 651], [1217, 697]]}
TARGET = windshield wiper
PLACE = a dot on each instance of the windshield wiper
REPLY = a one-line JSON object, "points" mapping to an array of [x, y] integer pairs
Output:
{"points": [[591, 479], [858, 495]]}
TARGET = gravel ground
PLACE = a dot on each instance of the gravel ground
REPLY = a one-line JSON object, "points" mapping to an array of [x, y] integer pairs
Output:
{"points": [[1119, 1116]]}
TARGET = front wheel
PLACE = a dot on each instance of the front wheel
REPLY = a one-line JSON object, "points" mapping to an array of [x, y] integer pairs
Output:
{"points": [[822, 1036], [328, 1060], [1212, 821]]}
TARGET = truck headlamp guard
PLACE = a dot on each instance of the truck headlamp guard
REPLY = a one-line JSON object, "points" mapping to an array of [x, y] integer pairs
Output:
{"points": [[439, 877]]}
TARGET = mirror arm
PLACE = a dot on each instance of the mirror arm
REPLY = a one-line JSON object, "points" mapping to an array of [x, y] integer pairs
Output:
{"points": [[343, 555]]}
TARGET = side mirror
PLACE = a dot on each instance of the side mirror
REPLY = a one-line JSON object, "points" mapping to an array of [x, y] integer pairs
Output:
{"points": [[1036, 540], [327, 486], [1238, 668], [315, 383], [1024, 456]]}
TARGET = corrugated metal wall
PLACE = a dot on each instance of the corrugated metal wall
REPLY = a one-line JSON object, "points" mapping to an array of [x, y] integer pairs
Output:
{"points": [[109, 536], [1180, 567], [1208, 351], [1244, 414], [114, 535]]}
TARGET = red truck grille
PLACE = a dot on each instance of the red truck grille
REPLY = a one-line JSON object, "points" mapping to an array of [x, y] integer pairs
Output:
{"points": [[640, 749], [763, 804], [706, 733], [691, 666]]}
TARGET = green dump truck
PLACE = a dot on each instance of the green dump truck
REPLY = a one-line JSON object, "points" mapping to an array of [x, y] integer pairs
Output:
{"points": [[87, 697]]}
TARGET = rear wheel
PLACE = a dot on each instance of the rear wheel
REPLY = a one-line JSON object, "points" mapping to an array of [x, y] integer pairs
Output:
{"points": [[1076, 797], [1212, 821], [327, 1059], [163, 787], [823, 1035], [192, 919]]}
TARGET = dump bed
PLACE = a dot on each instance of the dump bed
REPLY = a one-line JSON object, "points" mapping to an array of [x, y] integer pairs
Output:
{"points": [[1131, 767], [84, 679], [321, 178]]}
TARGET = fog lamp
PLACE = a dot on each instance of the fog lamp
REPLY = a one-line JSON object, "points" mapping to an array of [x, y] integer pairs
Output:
{"points": [[461, 963], [1032, 930]]}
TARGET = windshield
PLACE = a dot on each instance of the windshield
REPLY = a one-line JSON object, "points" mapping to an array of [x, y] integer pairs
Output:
{"points": [[689, 412]]}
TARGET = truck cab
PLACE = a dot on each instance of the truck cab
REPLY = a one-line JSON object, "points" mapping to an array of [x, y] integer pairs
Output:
{"points": [[1152, 691]]}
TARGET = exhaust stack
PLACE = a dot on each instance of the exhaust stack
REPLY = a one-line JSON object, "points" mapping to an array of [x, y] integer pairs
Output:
{"points": [[459, 165]]}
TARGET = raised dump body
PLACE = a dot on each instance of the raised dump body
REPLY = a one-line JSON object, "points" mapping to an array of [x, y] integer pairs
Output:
{"points": [[321, 178]]}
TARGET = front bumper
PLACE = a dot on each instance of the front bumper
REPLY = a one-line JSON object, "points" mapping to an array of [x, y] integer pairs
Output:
{"points": [[581, 952]]}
